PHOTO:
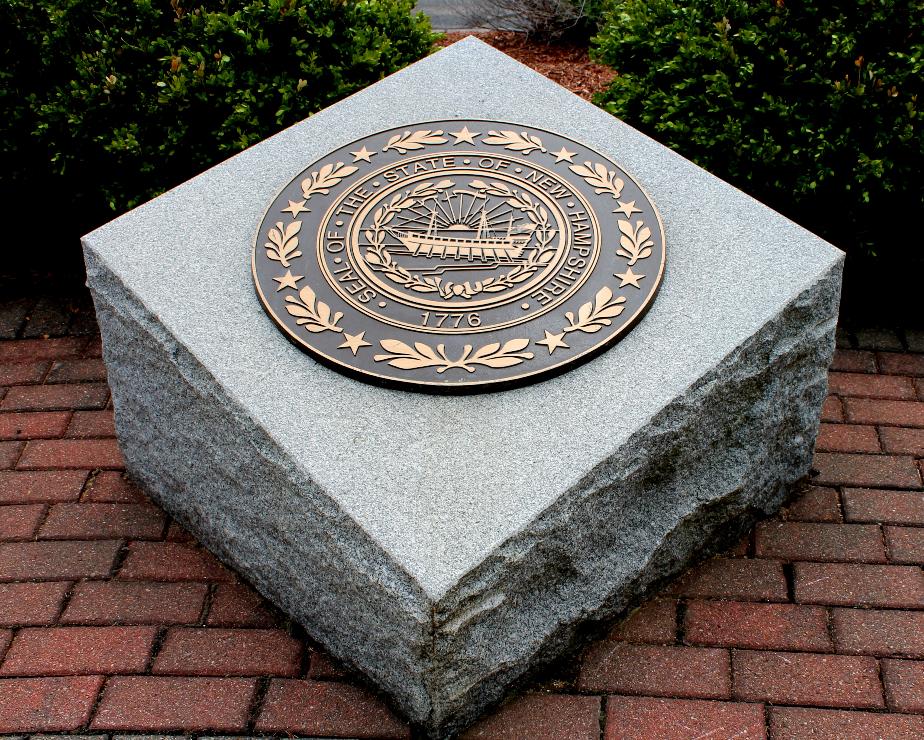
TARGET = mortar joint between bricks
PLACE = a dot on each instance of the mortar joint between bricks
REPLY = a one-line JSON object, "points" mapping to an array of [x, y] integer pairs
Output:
{"points": [[681, 617], [91, 715], [256, 704], [159, 637], [207, 604], [829, 626], [602, 717], [120, 557], [22, 451], [88, 483], [46, 510], [789, 573], [68, 595]]}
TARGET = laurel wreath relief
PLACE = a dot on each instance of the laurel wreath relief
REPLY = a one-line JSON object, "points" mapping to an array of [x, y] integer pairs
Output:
{"points": [[407, 141], [599, 177], [635, 243], [523, 142], [594, 315], [283, 242], [406, 357], [314, 315], [323, 180]]}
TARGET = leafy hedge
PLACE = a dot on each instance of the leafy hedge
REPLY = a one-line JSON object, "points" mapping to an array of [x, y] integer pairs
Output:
{"points": [[812, 106], [108, 103]]}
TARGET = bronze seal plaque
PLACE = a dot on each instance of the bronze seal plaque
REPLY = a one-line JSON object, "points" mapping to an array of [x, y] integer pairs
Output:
{"points": [[459, 255]]}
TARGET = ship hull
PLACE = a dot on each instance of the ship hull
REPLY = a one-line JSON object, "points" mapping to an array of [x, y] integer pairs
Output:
{"points": [[505, 248]]}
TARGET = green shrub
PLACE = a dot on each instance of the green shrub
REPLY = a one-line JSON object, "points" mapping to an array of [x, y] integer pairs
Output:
{"points": [[812, 107], [108, 103]]}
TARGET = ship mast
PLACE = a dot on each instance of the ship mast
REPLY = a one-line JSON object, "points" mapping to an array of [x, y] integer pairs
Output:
{"points": [[432, 220]]}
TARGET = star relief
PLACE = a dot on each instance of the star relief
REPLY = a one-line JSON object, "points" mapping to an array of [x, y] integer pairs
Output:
{"points": [[288, 281], [628, 278], [296, 207], [354, 342], [363, 155], [627, 208], [465, 135], [553, 341], [563, 155]]}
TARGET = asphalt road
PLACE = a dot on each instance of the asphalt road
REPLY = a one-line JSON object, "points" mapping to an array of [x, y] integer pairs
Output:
{"points": [[446, 15]]}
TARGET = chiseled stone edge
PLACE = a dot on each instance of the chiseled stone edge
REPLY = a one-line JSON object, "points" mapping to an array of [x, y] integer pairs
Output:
{"points": [[252, 506], [690, 482]]}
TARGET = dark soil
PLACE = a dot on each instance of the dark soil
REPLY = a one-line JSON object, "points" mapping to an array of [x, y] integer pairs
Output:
{"points": [[567, 64]]}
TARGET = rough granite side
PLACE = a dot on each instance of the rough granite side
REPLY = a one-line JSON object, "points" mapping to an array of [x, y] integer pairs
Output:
{"points": [[715, 460], [448, 585]]}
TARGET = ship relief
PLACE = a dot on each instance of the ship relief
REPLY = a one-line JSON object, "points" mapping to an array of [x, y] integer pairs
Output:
{"points": [[458, 255]]}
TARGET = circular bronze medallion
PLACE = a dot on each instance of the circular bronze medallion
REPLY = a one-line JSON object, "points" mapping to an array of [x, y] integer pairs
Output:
{"points": [[458, 255]]}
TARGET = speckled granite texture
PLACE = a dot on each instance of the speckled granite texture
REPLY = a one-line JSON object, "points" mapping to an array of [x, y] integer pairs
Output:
{"points": [[441, 564]]}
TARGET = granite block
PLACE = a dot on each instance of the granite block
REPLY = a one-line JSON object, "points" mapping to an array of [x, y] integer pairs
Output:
{"points": [[443, 565]]}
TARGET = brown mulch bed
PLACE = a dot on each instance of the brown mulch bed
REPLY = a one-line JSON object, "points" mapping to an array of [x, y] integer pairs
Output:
{"points": [[568, 65]]}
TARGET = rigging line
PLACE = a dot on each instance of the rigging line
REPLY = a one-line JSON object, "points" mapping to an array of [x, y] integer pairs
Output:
{"points": [[447, 217], [501, 215], [418, 219], [470, 207], [424, 217], [424, 214]]}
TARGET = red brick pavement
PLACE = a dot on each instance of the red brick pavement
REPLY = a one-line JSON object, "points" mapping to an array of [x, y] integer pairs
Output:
{"points": [[112, 619]]}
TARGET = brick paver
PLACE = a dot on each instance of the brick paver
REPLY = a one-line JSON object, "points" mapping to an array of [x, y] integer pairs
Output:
{"points": [[733, 578], [789, 723], [86, 521], [113, 620], [879, 632], [656, 670], [807, 679], [871, 386], [71, 453], [855, 543], [228, 652], [816, 504], [55, 561], [904, 685], [327, 709], [34, 424], [843, 584], [55, 397], [757, 626], [541, 717], [18, 487], [47, 704], [905, 544], [870, 471], [643, 718], [892, 507], [62, 651], [839, 438], [160, 703], [135, 602], [901, 441], [25, 604], [654, 622], [237, 605], [171, 561]]}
